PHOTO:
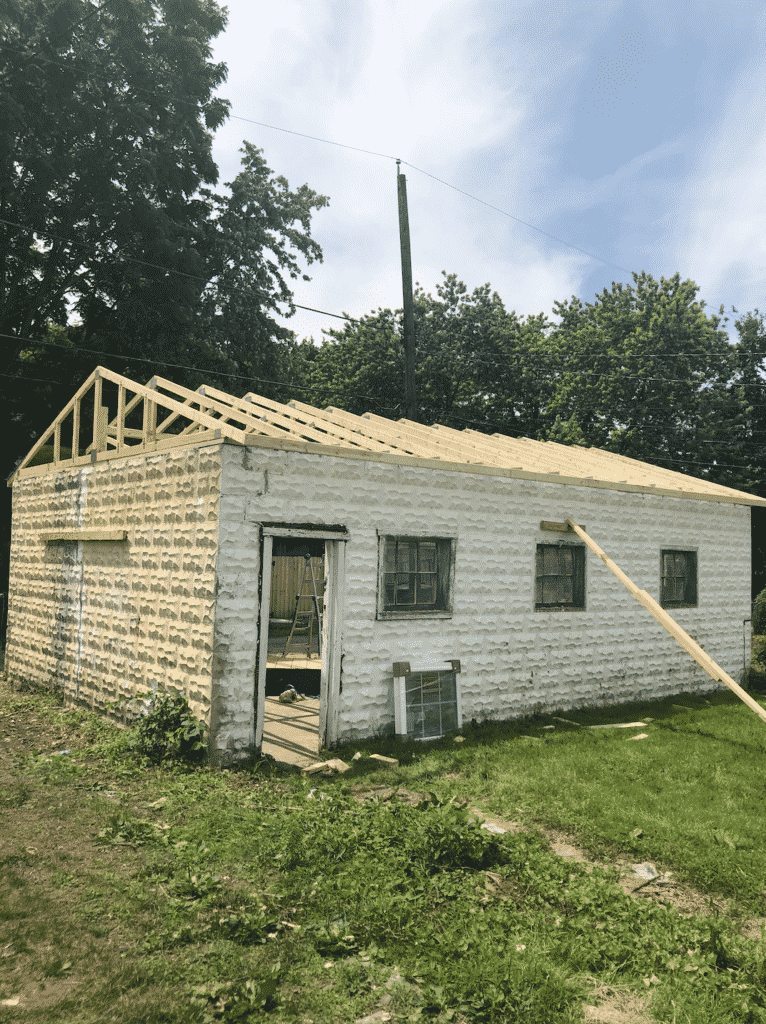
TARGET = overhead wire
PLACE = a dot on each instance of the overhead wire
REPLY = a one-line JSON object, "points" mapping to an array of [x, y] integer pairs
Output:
{"points": [[325, 312], [388, 156]]}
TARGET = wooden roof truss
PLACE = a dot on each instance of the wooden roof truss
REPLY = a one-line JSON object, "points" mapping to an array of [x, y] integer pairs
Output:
{"points": [[113, 416]]}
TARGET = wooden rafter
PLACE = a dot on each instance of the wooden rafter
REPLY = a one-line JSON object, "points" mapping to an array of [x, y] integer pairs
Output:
{"points": [[160, 415]]}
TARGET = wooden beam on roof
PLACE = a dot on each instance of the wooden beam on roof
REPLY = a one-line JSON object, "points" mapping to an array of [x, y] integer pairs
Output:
{"points": [[273, 419], [668, 623], [355, 426], [73, 405], [157, 395], [400, 435]]}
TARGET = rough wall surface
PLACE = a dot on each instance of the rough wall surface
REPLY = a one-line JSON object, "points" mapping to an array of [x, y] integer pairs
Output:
{"points": [[103, 621], [515, 660]]}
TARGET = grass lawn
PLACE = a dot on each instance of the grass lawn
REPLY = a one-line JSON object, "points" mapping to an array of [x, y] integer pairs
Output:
{"points": [[136, 892]]}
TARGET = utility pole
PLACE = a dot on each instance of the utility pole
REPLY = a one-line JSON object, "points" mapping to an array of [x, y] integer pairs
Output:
{"points": [[411, 401]]}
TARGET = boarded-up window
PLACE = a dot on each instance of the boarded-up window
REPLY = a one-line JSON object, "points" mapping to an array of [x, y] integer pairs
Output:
{"points": [[415, 574], [559, 576], [678, 585]]}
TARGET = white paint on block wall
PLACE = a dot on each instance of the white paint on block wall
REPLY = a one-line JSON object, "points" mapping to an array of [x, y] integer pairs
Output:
{"points": [[514, 660]]}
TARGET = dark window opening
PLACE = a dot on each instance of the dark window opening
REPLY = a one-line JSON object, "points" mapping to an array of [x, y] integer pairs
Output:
{"points": [[559, 577], [678, 584], [415, 574]]}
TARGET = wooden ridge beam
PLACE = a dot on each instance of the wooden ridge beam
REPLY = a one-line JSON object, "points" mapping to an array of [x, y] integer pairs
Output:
{"points": [[668, 623]]}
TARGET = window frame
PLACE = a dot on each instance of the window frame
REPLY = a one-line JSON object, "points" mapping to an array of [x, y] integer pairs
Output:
{"points": [[574, 606], [688, 600], [445, 577]]}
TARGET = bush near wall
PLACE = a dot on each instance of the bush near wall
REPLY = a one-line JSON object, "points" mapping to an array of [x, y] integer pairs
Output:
{"points": [[756, 677]]}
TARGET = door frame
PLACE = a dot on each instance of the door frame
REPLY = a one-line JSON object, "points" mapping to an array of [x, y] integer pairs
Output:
{"points": [[332, 620]]}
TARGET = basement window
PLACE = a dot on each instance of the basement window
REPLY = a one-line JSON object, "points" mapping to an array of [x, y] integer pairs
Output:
{"points": [[678, 579], [426, 700], [416, 576], [559, 577]]}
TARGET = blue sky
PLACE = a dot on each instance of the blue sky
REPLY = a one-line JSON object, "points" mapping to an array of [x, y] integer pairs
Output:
{"points": [[634, 131]]}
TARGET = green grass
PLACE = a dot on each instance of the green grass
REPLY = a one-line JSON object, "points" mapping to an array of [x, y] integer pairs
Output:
{"points": [[133, 892], [689, 797]]}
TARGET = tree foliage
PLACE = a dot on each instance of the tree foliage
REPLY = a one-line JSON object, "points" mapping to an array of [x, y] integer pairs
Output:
{"points": [[114, 246], [643, 370], [105, 137]]}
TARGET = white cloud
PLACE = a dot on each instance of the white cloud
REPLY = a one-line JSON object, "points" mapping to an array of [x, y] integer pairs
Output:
{"points": [[720, 233]]}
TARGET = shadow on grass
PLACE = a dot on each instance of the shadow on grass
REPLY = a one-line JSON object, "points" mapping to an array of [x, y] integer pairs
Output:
{"points": [[667, 712]]}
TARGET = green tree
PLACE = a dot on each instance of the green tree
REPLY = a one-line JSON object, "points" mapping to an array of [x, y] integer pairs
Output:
{"points": [[646, 372], [105, 138], [257, 234], [476, 363], [106, 161]]}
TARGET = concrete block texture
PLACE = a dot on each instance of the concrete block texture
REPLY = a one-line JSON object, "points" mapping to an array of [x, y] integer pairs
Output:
{"points": [[176, 605], [102, 621], [515, 660]]}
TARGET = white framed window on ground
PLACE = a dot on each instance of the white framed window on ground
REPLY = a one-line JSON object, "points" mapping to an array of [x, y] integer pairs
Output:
{"points": [[427, 699], [415, 576]]}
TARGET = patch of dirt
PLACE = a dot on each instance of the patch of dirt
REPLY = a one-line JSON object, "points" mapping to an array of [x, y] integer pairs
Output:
{"points": [[615, 1006], [46, 842]]}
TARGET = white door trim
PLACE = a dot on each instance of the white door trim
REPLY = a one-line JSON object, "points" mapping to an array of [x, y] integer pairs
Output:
{"points": [[332, 631]]}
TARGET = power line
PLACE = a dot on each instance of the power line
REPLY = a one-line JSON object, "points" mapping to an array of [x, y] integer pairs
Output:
{"points": [[175, 366], [154, 266], [388, 156], [316, 138], [557, 371]]}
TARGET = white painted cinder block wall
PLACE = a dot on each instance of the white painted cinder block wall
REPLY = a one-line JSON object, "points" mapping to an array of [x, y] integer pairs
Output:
{"points": [[514, 660]]}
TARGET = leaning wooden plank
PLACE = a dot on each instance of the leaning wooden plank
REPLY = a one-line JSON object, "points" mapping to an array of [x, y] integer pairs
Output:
{"points": [[667, 622]]}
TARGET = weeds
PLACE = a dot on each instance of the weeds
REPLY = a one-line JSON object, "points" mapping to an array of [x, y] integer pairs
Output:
{"points": [[202, 897], [168, 732]]}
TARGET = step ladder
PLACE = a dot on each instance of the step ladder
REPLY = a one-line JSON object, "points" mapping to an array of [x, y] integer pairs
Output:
{"points": [[304, 617]]}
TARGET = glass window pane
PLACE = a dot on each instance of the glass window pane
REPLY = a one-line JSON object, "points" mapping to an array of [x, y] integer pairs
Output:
{"points": [[426, 588], [431, 690], [432, 720], [449, 717], [550, 590], [405, 589], [405, 557], [427, 556], [414, 722], [550, 561], [389, 555], [449, 688], [565, 561], [413, 686], [566, 590]]}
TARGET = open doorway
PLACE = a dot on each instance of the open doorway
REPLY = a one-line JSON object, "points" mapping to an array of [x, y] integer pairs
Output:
{"points": [[296, 605], [299, 643]]}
